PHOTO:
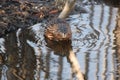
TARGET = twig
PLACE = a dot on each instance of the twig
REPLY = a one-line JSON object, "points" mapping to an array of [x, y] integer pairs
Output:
{"points": [[75, 65], [69, 5]]}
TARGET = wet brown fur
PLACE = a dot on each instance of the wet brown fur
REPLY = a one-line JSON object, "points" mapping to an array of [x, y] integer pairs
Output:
{"points": [[58, 29]]}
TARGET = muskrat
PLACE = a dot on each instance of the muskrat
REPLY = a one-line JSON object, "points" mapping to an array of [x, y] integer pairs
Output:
{"points": [[58, 29]]}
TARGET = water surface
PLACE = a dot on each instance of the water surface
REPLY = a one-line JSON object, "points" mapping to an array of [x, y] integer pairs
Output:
{"points": [[26, 56]]}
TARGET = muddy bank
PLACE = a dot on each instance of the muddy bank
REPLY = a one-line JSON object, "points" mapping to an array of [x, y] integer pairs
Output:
{"points": [[15, 14], [22, 14]]}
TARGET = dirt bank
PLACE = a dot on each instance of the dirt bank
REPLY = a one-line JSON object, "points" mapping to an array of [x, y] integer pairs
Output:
{"points": [[16, 14]]}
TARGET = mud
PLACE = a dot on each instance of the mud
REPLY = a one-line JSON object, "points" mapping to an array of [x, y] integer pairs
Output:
{"points": [[22, 14]]}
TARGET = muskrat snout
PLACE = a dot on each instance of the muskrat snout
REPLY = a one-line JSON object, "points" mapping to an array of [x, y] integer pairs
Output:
{"points": [[63, 35]]}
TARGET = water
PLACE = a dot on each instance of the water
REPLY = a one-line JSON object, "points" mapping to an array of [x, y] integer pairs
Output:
{"points": [[27, 57]]}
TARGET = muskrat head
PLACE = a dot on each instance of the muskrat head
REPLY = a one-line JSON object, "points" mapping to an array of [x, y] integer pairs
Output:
{"points": [[58, 30]]}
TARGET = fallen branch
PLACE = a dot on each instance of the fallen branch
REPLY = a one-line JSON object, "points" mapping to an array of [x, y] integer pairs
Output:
{"points": [[69, 5], [75, 65]]}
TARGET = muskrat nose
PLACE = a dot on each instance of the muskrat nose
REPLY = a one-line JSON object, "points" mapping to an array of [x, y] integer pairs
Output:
{"points": [[63, 35]]}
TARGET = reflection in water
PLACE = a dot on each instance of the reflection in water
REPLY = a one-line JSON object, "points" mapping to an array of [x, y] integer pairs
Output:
{"points": [[64, 48], [27, 59], [60, 69], [115, 3], [20, 60], [47, 65], [26, 56], [61, 48], [12, 57]]}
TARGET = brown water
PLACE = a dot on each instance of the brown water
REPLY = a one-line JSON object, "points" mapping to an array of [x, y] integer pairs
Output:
{"points": [[28, 58]]}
